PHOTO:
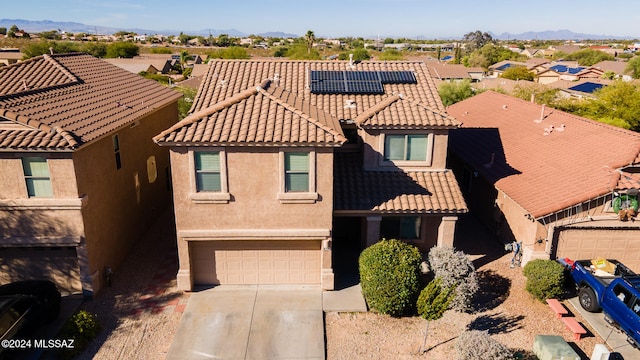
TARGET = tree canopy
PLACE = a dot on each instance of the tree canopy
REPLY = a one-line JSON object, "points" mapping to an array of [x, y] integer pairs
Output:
{"points": [[232, 52], [633, 67], [518, 73], [453, 92], [490, 54], [476, 39], [122, 50], [588, 57]]}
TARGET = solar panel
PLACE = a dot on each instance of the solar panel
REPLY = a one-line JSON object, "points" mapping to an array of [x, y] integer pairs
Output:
{"points": [[357, 82], [587, 87], [504, 67]]}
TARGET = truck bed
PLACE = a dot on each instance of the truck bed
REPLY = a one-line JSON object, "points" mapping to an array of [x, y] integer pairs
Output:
{"points": [[604, 277]]}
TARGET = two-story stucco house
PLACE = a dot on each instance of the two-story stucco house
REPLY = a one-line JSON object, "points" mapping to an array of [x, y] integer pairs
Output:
{"points": [[282, 162], [80, 177]]}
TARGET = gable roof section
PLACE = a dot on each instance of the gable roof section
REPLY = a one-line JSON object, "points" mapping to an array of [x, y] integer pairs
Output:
{"points": [[68, 100], [264, 114], [397, 112], [545, 166], [393, 192]]}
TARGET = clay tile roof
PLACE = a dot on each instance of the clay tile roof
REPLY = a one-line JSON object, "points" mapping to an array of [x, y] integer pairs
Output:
{"points": [[420, 107], [393, 191], [544, 166], [264, 114], [398, 112], [628, 180], [445, 71], [67, 100]]}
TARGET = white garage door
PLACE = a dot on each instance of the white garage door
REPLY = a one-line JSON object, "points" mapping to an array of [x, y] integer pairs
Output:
{"points": [[622, 245], [256, 262]]}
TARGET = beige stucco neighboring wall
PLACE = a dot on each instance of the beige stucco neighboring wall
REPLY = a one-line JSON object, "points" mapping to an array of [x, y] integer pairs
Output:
{"points": [[374, 150], [120, 204], [252, 209]]}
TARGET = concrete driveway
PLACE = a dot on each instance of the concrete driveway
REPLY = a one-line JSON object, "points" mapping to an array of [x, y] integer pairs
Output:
{"points": [[251, 322]]}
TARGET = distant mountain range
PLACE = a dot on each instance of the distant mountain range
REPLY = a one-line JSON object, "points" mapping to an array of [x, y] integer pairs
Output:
{"points": [[74, 27], [48, 25]]}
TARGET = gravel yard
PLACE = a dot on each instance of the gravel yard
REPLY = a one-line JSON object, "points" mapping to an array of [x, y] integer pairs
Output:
{"points": [[142, 310]]}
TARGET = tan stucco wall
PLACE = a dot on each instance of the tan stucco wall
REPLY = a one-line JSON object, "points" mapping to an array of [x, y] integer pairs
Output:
{"points": [[253, 183], [374, 148], [114, 217], [253, 210]]}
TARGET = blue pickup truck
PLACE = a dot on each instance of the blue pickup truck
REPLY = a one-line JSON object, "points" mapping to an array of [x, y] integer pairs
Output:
{"points": [[611, 286]]}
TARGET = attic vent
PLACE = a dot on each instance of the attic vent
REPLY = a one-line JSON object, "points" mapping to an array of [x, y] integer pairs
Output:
{"points": [[350, 104]]}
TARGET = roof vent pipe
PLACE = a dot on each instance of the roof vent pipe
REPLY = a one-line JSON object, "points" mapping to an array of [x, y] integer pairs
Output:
{"points": [[51, 50]]}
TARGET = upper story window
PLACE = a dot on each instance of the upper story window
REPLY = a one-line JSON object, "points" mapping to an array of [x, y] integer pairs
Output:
{"points": [[405, 147], [209, 177], [208, 172], [116, 150], [297, 177], [296, 168], [36, 175]]}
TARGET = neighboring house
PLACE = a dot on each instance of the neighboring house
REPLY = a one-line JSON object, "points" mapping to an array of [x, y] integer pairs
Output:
{"points": [[454, 72], [580, 89], [81, 178], [284, 166], [619, 68], [566, 49], [10, 56], [546, 178], [533, 52], [137, 66], [503, 85], [498, 68]]}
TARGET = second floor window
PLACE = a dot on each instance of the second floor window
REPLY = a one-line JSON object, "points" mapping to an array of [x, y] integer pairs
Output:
{"points": [[208, 171], [116, 151], [405, 148], [296, 172], [36, 175]]}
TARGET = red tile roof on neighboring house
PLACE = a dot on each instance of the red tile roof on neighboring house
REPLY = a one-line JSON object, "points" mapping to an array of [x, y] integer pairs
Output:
{"points": [[444, 71], [618, 67], [393, 191], [545, 166], [64, 101]]}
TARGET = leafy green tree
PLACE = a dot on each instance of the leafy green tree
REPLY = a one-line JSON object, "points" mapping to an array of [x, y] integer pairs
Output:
{"points": [[541, 94], [588, 57], [122, 49], [223, 40], [299, 52], [518, 73], [616, 104], [633, 67], [281, 51], [390, 55], [96, 49], [359, 54], [389, 41], [433, 301], [45, 47], [490, 54], [453, 92], [3, 31], [50, 35], [476, 39], [233, 52], [12, 31]]}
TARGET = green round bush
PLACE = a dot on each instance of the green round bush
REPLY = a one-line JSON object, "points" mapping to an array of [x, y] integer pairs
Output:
{"points": [[83, 326], [545, 278], [389, 276]]}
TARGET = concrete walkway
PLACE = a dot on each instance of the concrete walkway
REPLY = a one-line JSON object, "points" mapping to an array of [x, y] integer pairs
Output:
{"points": [[615, 339], [251, 322]]}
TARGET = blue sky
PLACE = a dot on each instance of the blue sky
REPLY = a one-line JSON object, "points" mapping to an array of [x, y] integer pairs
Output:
{"points": [[327, 18]]}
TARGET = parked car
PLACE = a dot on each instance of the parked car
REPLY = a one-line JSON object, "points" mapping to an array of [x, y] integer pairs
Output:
{"points": [[27, 305], [611, 286]]}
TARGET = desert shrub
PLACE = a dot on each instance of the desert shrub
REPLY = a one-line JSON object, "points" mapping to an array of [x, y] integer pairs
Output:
{"points": [[545, 278], [389, 276], [456, 270], [434, 300], [476, 344], [82, 327]]}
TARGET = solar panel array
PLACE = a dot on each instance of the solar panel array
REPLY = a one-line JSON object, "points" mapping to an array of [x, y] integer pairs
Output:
{"points": [[587, 87], [357, 82], [566, 69]]}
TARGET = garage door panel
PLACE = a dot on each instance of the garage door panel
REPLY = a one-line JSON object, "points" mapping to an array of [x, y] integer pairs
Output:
{"points": [[622, 244], [256, 262]]}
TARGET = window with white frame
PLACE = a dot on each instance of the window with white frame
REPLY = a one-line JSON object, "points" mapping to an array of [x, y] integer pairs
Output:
{"points": [[297, 177], [208, 171], [296, 171], [36, 175], [404, 147]]}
